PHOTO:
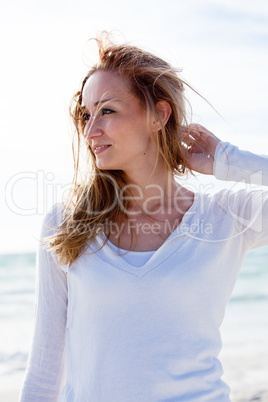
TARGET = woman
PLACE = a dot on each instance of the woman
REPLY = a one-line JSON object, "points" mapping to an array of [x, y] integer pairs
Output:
{"points": [[133, 288]]}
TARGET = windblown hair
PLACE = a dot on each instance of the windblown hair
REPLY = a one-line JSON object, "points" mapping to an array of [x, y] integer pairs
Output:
{"points": [[95, 197]]}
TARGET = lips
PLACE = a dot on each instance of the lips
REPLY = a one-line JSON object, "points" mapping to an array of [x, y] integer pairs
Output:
{"points": [[100, 148]]}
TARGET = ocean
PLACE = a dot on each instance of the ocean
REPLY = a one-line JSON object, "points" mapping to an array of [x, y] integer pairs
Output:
{"points": [[17, 289], [244, 332]]}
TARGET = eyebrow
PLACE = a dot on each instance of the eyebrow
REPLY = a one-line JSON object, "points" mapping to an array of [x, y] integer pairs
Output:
{"points": [[103, 101]]}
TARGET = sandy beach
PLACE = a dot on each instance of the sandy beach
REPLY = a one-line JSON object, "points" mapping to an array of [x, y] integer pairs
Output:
{"points": [[11, 396], [247, 376], [10, 387]]}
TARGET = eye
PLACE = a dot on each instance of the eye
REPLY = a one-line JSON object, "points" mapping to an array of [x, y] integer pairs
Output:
{"points": [[85, 116], [106, 111]]}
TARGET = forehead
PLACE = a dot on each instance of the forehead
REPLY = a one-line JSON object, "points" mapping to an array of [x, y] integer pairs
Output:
{"points": [[105, 85]]}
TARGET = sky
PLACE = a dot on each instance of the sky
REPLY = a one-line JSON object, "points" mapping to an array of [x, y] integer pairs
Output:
{"points": [[221, 46]]}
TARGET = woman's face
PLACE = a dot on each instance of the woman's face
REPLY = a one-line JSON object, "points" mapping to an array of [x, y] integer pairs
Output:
{"points": [[116, 126]]}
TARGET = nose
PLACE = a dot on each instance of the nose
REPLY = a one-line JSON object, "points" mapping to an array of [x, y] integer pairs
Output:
{"points": [[93, 129]]}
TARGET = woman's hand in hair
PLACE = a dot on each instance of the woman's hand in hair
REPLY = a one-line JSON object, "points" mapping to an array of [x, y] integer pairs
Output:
{"points": [[200, 148]]}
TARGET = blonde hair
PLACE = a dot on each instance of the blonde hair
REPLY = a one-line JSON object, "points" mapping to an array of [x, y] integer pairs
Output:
{"points": [[96, 199]]}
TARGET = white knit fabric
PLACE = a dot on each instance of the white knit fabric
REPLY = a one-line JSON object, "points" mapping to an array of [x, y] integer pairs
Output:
{"points": [[108, 331]]}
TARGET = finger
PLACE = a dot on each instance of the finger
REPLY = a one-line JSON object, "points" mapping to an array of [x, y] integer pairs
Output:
{"points": [[197, 148], [190, 138]]}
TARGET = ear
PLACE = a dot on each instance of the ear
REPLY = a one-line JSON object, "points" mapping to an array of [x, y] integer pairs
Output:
{"points": [[164, 111]]}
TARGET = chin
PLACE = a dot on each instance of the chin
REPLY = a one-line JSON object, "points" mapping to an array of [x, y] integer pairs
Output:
{"points": [[107, 166]]}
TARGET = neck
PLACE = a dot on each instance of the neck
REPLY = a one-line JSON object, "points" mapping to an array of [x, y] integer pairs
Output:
{"points": [[151, 193]]}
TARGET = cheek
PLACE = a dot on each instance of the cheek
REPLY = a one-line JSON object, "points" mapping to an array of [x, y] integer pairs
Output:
{"points": [[86, 130]]}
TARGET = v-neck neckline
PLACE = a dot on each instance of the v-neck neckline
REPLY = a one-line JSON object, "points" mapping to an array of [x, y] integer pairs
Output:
{"points": [[108, 254]]}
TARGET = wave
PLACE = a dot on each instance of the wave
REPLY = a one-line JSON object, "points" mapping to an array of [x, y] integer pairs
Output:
{"points": [[10, 363], [249, 298]]}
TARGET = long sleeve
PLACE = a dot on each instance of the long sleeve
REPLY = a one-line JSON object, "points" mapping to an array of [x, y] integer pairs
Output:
{"points": [[249, 208], [233, 164], [45, 369]]}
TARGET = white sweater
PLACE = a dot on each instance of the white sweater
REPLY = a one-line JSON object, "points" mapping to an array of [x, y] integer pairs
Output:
{"points": [[108, 331]]}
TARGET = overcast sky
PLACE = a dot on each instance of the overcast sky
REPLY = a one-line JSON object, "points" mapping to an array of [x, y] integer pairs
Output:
{"points": [[222, 47]]}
